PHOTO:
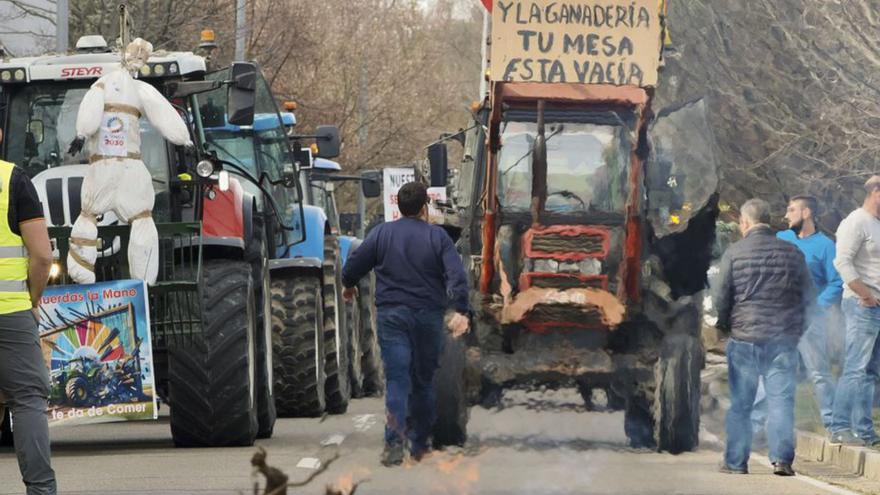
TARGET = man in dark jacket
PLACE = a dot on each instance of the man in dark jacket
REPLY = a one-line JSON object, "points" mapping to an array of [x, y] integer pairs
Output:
{"points": [[418, 275], [763, 298]]}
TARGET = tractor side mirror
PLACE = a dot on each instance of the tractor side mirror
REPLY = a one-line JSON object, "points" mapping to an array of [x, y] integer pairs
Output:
{"points": [[328, 141], [371, 183], [439, 163], [242, 96]]}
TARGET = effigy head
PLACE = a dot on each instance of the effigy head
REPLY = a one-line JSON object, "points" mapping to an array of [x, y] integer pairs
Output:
{"points": [[137, 53]]}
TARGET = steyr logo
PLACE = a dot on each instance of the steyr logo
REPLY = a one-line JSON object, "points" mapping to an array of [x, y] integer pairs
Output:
{"points": [[81, 71]]}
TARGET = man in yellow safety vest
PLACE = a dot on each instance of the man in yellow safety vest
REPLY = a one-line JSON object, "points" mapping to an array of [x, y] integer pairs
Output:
{"points": [[25, 262]]}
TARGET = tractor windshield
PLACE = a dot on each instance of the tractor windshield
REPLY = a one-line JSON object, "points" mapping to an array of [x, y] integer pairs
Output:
{"points": [[42, 123], [587, 167]]}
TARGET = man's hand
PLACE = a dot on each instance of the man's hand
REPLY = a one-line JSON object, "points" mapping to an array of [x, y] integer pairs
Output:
{"points": [[76, 145], [869, 302], [349, 294], [458, 325]]}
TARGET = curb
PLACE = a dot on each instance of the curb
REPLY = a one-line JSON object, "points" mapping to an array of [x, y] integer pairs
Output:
{"points": [[857, 460]]}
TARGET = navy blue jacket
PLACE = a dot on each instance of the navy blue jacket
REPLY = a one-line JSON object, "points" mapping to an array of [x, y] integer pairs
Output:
{"points": [[416, 266]]}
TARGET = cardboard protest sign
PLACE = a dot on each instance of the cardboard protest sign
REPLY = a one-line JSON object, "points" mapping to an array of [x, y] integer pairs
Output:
{"points": [[614, 42], [96, 343]]}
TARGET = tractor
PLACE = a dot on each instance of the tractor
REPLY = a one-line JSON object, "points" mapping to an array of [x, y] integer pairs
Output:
{"points": [[209, 309], [585, 220]]}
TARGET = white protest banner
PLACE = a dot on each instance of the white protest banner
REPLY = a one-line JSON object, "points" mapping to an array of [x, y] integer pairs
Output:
{"points": [[393, 180]]}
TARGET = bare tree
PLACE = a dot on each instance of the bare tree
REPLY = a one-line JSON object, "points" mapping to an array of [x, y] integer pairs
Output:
{"points": [[793, 87]]}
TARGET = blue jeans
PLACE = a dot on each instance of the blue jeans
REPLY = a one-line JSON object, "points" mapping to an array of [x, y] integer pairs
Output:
{"points": [[747, 363], [411, 341], [861, 366], [816, 354]]}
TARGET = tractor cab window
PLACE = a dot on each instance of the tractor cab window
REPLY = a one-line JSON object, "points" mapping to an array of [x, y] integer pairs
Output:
{"points": [[587, 167], [260, 149], [42, 124]]}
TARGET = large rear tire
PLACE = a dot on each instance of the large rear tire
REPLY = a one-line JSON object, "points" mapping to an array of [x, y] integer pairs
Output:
{"points": [[450, 427], [355, 365], [336, 338], [677, 396], [371, 357], [298, 345], [258, 257], [212, 378]]}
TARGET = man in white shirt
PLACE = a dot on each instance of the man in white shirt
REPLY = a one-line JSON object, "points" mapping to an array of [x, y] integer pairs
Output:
{"points": [[858, 262]]}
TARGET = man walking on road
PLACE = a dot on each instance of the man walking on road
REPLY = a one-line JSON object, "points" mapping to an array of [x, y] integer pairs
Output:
{"points": [[858, 261], [819, 252], [418, 275], [763, 298], [25, 261]]}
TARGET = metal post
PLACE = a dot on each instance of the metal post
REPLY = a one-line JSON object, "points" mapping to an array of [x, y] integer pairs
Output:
{"points": [[240, 29], [61, 26], [484, 56]]}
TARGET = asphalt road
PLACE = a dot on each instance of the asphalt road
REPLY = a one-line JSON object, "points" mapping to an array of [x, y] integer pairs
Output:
{"points": [[540, 443]]}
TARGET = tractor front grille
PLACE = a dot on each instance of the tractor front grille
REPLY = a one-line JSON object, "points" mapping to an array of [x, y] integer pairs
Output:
{"points": [[561, 243]]}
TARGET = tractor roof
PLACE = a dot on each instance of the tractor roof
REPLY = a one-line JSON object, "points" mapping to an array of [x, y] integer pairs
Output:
{"points": [[91, 65], [327, 165]]}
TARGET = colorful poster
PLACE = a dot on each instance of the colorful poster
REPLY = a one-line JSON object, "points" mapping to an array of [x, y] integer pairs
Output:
{"points": [[96, 343]]}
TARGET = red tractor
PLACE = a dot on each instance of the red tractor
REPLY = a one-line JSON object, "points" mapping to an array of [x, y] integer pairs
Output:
{"points": [[586, 221]]}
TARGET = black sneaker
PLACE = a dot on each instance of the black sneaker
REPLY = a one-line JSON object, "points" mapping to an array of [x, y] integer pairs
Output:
{"points": [[780, 469], [724, 468], [419, 454], [392, 455], [844, 437]]}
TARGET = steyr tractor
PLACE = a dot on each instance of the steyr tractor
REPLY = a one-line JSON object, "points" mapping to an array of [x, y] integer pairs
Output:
{"points": [[585, 221], [209, 307]]}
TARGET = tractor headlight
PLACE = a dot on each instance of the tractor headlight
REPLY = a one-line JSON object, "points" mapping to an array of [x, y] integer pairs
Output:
{"points": [[172, 69], [545, 266], [159, 70], [205, 169], [6, 75], [591, 266], [145, 70], [19, 75]]}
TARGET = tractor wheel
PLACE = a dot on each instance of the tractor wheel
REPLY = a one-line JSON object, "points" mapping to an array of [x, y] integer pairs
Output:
{"points": [[337, 389], [677, 395], [355, 366], [371, 357], [212, 379], [6, 427], [298, 345], [451, 395], [77, 391], [258, 257]]}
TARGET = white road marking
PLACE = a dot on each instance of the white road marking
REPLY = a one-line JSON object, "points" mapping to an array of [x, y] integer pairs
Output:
{"points": [[363, 422], [333, 440], [808, 480], [309, 463]]}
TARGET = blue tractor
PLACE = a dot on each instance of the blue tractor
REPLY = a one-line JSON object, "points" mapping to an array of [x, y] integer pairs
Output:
{"points": [[319, 177], [310, 338]]}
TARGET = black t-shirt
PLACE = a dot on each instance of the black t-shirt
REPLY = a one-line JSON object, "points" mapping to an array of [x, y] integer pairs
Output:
{"points": [[24, 204]]}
